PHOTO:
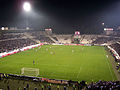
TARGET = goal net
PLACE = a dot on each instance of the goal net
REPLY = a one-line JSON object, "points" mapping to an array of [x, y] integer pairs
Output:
{"points": [[30, 71]]}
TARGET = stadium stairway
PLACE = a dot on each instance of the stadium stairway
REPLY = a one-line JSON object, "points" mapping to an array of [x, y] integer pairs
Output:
{"points": [[31, 37], [51, 38]]}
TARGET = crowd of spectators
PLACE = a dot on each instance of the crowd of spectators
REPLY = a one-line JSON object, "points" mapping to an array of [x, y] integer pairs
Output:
{"points": [[36, 83], [11, 41], [16, 82], [118, 67], [10, 36], [104, 85], [10, 45], [102, 40], [116, 47]]}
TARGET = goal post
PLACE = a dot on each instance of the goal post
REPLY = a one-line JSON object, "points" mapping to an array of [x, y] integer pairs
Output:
{"points": [[30, 71]]}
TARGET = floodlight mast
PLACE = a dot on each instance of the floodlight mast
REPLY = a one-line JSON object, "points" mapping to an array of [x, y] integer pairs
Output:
{"points": [[27, 8]]}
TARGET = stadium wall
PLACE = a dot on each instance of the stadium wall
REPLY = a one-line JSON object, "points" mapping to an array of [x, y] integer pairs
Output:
{"points": [[114, 52]]}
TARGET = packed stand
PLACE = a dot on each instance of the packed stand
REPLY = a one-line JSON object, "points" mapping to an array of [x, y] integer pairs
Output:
{"points": [[116, 47], [102, 40], [118, 66], [10, 45], [16, 82], [10, 36], [104, 85]]}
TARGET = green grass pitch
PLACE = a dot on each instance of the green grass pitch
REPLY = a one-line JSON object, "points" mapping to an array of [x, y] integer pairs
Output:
{"points": [[77, 63]]}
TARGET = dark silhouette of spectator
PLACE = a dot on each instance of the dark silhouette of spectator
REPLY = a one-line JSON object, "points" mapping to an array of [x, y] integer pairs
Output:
{"points": [[42, 87], [58, 87], [35, 88], [27, 86], [65, 88], [8, 87], [0, 77], [24, 88], [49, 87]]}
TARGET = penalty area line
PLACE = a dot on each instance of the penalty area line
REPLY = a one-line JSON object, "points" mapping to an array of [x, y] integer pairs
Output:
{"points": [[79, 72]]}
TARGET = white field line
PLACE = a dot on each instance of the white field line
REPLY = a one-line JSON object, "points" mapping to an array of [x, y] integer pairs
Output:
{"points": [[109, 67], [110, 70], [79, 72], [74, 74], [107, 56]]}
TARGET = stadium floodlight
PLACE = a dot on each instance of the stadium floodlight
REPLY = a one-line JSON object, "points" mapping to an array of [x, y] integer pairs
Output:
{"points": [[103, 24], [27, 6], [2, 28]]}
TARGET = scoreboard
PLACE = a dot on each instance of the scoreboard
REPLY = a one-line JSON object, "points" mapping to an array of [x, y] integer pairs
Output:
{"points": [[48, 30], [76, 38], [77, 34]]}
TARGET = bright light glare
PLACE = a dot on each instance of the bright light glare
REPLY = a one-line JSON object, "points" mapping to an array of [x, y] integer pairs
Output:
{"points": [[3, 28], [27, 6]]}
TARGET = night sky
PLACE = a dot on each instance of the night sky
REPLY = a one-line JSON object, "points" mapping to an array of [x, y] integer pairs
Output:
{"points": [[63, 16]]}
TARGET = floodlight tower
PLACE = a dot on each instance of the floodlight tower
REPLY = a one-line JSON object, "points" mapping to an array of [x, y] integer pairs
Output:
{"points": [[27, 9]]}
